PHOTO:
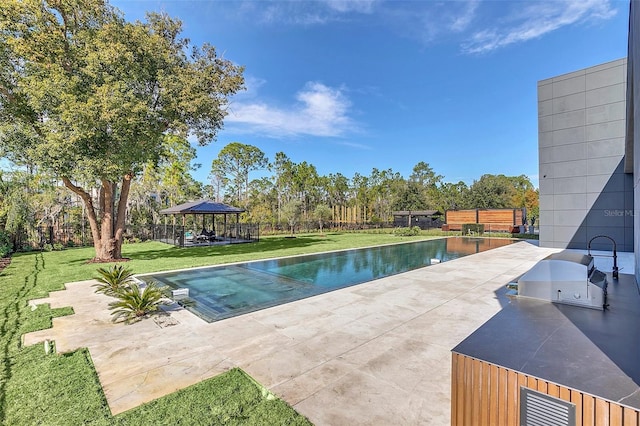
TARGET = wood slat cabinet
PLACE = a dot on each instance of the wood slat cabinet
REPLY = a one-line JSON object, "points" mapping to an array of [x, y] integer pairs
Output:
{"points": [[484, 394]]}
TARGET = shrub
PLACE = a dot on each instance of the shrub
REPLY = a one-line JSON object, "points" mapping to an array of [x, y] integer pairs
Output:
{"points": [[112, 280], [58, 247], [407, 232], [134, 303], [5, 244], [70, 244], [26, 248]]}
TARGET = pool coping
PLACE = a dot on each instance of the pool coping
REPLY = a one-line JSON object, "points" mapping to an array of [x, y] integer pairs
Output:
{"points": [[372, 353]]}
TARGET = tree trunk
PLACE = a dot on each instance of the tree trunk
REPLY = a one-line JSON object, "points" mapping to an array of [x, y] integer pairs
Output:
{"points": [[107, 230]]}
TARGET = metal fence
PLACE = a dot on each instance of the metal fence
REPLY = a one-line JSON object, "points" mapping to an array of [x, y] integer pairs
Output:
{"points": [[181, 236], [231, 233], [313, 226], [73, 236], [36, 237]]}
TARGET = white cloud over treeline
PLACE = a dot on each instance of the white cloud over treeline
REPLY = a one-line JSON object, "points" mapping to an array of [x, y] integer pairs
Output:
{"points": [[316, 110]]}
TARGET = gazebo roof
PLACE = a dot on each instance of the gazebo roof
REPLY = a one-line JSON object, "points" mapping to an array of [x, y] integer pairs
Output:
{"points": [[202, 207]]}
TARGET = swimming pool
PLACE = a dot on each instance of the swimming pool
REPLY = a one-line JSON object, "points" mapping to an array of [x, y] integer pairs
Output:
{"points": [[220, 292]]}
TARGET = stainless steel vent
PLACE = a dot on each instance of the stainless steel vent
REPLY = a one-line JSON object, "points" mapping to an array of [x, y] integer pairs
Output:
{"points": [[538, 409]]}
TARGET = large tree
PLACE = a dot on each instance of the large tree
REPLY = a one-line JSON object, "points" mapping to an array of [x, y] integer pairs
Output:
{"points": [[91, 98], [306, 187], [283, 170], [453, 196], [491, 192], [234, 162], [176, 183], [384, 188], [425, 180]]}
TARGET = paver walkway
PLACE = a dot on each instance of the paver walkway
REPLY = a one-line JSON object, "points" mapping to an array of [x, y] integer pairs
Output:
{"points": [[376, 353]]}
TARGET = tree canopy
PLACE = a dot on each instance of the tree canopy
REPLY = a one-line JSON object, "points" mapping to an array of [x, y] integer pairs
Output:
{"points": [[90, 98], [365, 198], [234, 162]]}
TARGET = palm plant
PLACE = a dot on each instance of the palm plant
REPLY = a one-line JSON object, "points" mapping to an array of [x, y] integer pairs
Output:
{"points": [[112, 280], [134, 303]]}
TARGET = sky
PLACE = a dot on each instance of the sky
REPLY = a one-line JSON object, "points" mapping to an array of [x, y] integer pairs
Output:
{"points": [[352, 85]]}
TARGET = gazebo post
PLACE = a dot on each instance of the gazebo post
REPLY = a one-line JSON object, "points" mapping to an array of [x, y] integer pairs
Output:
{"points": [[184, 227], [173, 227], [237, 226]]}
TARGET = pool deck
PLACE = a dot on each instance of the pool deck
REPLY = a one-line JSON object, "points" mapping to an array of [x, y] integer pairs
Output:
{"points": [[371, 354]]}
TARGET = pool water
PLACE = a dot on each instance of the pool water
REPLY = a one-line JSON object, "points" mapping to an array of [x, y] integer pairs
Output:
{"points": [[220, 292]]}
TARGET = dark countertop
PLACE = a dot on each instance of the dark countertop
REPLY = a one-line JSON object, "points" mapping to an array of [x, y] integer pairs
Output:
{"points": [[597, 352]]}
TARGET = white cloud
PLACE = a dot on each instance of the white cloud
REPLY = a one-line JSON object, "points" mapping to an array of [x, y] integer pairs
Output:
{"points": [[305, 13], [483, 25], [462, 21], [359, 6], [319, 111], [535, 20], [252, 86], [429, 22], [356, 145]]}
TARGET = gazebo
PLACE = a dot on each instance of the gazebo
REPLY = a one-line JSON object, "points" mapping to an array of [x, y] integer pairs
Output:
{"points": [[227, 232]]}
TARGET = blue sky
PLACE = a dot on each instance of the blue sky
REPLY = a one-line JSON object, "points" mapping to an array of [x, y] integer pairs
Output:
{"points": [[349, 85]]}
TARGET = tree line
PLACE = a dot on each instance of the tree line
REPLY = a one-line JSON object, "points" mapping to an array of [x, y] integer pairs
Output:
{"points": [[285, 193], [374, 197], [288, 192]]}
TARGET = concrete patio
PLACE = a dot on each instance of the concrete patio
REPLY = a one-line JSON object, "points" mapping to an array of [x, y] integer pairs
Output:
{"points": [[375, 353]]}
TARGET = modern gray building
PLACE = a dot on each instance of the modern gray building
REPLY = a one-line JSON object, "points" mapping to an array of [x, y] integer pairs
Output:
{"points": [[632, 149], [585, 189]]}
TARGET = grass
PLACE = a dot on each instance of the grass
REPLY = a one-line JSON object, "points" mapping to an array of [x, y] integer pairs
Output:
{"points": [[64, 389]]}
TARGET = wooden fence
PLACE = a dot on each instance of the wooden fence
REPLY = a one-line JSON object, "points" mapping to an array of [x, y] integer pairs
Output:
{"points": [[503, 220]]}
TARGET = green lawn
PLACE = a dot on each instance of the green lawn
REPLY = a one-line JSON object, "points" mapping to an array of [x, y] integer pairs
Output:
{"points": [[64, 389]]}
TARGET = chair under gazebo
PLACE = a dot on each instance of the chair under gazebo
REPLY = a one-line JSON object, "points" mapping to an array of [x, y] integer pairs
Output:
{"points": [[205, 232]]}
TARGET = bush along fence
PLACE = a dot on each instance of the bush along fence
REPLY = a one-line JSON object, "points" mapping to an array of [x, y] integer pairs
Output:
{"points": [[6, 246]]}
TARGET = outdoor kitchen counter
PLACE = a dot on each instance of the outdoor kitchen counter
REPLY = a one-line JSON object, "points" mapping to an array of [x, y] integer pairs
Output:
{"points": [[597, 352]]}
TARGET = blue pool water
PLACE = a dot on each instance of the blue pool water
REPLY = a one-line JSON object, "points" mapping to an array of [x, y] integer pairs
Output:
{"points": [[220, 292]]}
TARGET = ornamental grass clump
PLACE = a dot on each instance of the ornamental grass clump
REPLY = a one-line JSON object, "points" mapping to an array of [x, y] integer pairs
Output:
{"points": [[135, 303], [112, 280]]}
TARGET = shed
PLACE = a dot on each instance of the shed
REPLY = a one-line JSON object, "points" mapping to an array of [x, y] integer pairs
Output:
{"points": [[424, 219]]}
